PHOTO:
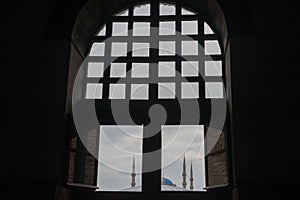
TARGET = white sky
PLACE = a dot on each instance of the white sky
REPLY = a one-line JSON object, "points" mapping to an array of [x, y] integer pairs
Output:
{"points": [[119, 144]]}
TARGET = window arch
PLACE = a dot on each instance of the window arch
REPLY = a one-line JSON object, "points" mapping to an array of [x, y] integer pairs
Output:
{"points": [[135, 55]]}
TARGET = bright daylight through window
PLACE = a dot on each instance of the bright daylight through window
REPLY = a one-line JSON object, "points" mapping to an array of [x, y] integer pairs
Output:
{"points": [[119, 69]]}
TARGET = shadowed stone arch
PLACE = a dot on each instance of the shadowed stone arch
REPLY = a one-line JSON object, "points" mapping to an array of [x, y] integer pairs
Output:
{"points": [[95, 12]]}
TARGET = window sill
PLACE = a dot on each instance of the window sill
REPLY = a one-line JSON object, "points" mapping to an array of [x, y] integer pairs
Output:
{"points": [[83, 186], [210, 188]]}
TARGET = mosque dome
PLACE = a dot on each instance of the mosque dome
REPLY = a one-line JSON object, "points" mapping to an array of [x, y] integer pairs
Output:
{"points": [[166, 185], [166, 181]]}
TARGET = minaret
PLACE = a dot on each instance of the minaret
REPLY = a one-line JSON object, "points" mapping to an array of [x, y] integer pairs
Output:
{"points": [[133, 173], [184, 173], [191, 178]]}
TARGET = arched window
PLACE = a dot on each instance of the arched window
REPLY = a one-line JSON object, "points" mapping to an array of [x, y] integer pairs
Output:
{"points": [[150, 104]]}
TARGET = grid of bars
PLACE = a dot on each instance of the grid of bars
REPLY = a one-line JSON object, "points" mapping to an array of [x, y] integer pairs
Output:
{"points": [[118, 66], [151, 64]]}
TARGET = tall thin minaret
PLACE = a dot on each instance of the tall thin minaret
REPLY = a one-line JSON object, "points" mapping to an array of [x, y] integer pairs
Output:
{"points": [[191, 178], [184, 173], [133, 173]]}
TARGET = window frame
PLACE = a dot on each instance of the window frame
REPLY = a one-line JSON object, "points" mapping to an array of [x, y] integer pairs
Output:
{"points": [[227, 127]]}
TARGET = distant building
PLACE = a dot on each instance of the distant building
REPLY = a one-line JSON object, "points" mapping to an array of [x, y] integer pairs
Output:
{"points": [[166, 184]]}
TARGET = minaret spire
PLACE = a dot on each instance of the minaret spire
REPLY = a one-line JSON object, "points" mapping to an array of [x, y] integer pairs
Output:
{"points": [[184, 173], [191, 178], [133, 173]]}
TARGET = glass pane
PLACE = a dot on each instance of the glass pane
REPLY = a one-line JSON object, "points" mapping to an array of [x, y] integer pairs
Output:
{"points": [[190, 90], [167, 28], [117, 91], [140, 49], [167, 48], [183, 158], [166, 69], [73, 143], [71, 167], [119, 49], [167, 9], [189, 68], [189, 48], [139, 91], [95, 69], [119, 29], [212, 47], [213, 90], [142, 10], [97, 49], [91, 144], [122, 13], [186, 12], [207, 29], [120, 158], [89, 170], [117, 70], [166, 90], [214, 135], [93, 91], [141, 29], [102, 31], [213, 68], [140, 70], [189, 27], [217, 170]]}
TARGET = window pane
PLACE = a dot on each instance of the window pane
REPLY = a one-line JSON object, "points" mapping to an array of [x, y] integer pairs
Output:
{"points": [[97, 49], [142, 10], [167, 48], [89, 170], [216, 141], [141, 29], [187, 12], [166, 90], [167, 28], [102, 31], [118, 145], [217, 170], [93, 91], [166, 69], [212, 47], [139, 91], [95, 70], [71, 167], [189, 68], [189, 48], [207, 29], [117, 91], [140, 49], [122, 13], [166, 9], [119, 49], [213, 90], [213, 68], [140, 70], [189, 27], [183, 146], [117, 70], [120, 29], [189, 90]]}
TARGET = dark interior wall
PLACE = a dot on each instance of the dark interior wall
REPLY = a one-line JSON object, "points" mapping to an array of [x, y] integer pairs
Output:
{"points": [[36, 46], [266, 103], [34, 76]]}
